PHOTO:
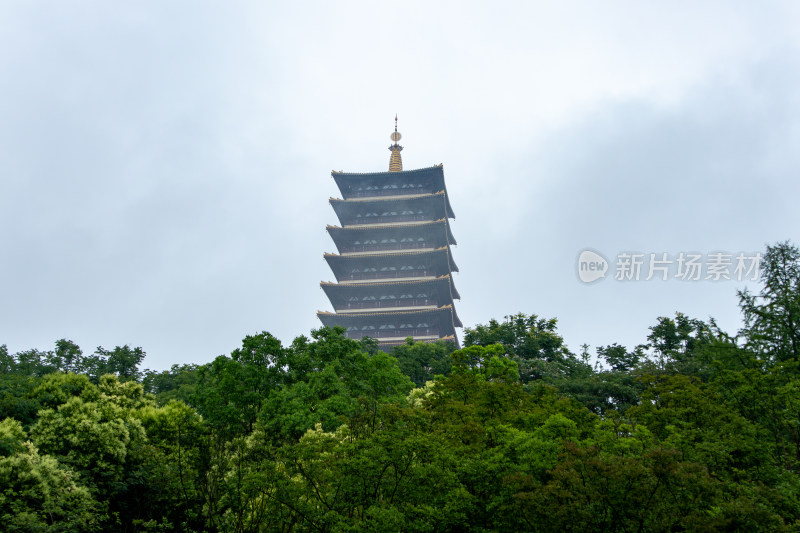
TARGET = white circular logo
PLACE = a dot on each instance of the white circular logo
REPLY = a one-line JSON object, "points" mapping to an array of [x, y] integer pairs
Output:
{"points": [[591, 266]]}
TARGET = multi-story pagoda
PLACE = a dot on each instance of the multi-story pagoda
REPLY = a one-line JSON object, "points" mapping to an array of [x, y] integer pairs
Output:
{"points": [[394, 266]]}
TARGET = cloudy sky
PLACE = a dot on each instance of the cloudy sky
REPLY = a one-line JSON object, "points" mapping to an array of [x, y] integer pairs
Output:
{"points": [[165, 166]]}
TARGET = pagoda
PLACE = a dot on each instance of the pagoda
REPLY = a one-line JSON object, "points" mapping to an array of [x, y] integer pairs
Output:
{"points": [[394, 265]]}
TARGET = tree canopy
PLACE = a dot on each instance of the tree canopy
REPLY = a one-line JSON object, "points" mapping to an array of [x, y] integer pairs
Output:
{"points": [[695, 429]]}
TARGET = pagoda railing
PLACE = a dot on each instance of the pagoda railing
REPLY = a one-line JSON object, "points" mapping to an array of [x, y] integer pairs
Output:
{"points": [[385, 304], [415, 332], [390, 192], [362, 221], [385, 247], [387, 275]]}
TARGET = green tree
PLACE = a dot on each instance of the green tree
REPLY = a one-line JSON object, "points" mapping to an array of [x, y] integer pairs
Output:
{"points": [[173, 467], [93, 438], [772, 318], [33, 362], [604, 392], [16, 400], [655, 491], [11, 436], [619, 358], [533, 343], [690, 417], [39, 494], [7, 363], [230, 391], [677, 344], [98, 436], [177, 383], [329, 379], [67, 357], [123, 361], [55, 389], [422, 361]]}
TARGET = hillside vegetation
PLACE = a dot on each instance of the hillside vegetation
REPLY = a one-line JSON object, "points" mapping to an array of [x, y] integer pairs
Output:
{"points": [[696, 430]]}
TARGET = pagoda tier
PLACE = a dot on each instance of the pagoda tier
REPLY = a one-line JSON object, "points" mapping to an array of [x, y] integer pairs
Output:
{"points": [[408, 236], [396, 265], [391, 210], [394, 327], [395, 296], [420, 181]]}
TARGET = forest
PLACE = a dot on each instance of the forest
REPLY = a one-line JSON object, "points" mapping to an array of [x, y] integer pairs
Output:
{"points": [[698, 429]]}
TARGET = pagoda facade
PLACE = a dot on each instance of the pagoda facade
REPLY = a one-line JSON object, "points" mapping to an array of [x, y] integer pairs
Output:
{"points": [[394, 265]]}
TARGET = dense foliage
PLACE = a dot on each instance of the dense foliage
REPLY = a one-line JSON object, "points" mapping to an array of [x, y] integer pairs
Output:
{"points": [[696, 430]]}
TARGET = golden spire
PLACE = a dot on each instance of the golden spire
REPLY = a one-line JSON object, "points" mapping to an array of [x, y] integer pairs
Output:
{"points": [[395, 161]]}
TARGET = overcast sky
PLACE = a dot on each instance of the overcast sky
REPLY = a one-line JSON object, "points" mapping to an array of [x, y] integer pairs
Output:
{"points": [[165, 166]]}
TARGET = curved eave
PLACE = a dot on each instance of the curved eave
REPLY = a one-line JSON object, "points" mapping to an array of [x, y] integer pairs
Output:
{"points": [[453, 292], [436, 173], [456, 321], [444, 250], [362, 287], [433, 170], [428, 224], [384, 200], [445, 312], [339, 293], [449, 208], [340, 204]]}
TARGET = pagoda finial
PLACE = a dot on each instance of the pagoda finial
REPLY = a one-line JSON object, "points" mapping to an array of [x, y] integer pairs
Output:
{"points": [[395, 161]]}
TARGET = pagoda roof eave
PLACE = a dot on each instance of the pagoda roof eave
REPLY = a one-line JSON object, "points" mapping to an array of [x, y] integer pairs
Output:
{"points": [[398, 198], [456, 321], [344, 259], [402, 253], [339, 293], [423, 224], [429, 170], [413, 224], [448, 207], [363, 287], [437, 310], [436, 171], [438, 279], [439, 260], [378, 199], [343, 319]]}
